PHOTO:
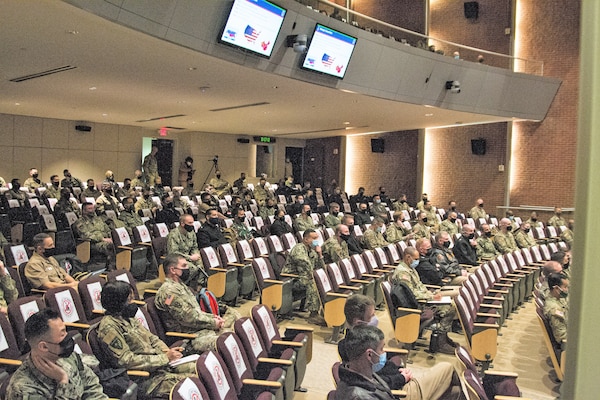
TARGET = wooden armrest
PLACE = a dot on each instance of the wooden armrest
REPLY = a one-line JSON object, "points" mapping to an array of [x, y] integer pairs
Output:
{"points": [[300, 328], [99, 312], [289, 275], [360, 281], [138, 302], [508, 374], [482, 325], [433, 287], [80, 240], [236, 264], [273, 281], [395, 350], [510, 280], [504, 284], [77, 325], [399, 393], [334, 294], [381, 270], [151, 291], [410, 310], [350, 287], [501, 298], [529, 267], [182, 335], [371, 275], [218, 269], [489, 315], [144, 244], [498, 291], [38, 290], [496, 306], [10, 361], [260, 382], [248, 259], [274, 361], [137, 372], [125, 247], [287, 343]]}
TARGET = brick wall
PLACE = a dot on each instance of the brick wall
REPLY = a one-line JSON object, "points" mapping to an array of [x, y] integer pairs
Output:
{"points": [[396, 168], [408, 14]]}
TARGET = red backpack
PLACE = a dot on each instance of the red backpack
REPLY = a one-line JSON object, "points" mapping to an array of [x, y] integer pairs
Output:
{"points": [[208, 302]]}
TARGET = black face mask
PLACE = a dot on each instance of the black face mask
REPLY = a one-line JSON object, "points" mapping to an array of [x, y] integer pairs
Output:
{"points": [[188, 228], [16, 187], [446, 244], [402, 201], [345, 238], [453, 220], [241, 219], [146, 196], [55, 184], [170, 205], [218, 176], [481, 205], [424, 220], [67, 345], [428, 254], [471, 236], [364, 211], [127, 187], [534, 219], [129, 310], [282, 219], [214, 221], [488, 234], [527, 230], [34, 176], [50, 252], [129, 208], [185, 274], [509, 228]]}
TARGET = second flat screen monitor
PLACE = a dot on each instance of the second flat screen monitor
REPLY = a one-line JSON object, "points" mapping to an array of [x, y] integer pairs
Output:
{"points": [[329, 51]]}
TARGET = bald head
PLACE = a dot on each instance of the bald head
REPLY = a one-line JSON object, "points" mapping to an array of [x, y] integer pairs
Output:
{"points": [[551, 267]]}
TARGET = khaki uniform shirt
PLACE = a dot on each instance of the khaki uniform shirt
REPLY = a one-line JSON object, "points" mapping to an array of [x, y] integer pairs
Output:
{"points": [[505, 242], [557, 312], [95, 193], [143, 204], [450, 227], [398, 206], [395, 233], [373, 239], [40, 270], [52, 192], [523, 239], [477, 212], [32, 184], [486, 248], [221, 186]]}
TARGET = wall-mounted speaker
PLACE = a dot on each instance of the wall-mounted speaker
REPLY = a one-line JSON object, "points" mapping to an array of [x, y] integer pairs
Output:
{"points": [[471, 9], [83, 128], [243, 140], [478, 146], [377, 145]]}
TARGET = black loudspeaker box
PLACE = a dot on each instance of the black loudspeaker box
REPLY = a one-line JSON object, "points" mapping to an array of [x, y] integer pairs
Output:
{"points": [[243, 140], [471, 9], [377, 145], [478, 146]]}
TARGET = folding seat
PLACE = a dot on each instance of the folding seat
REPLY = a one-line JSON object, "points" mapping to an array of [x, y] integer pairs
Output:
{"points": [[491, 316], [486, 297], [17, 257], [246, 278], [10, 356], [90, 290], [364, 272], [296, 337], [260, 226], [154, 323], [18, 312], [244, 250], [382, 259], [332, 303], [556, 351], [189, 388], [373, 264], [393, 255], [222, 281], [524, 279], [408, 323], [528, 274], [248, 384], [352, 275], [476, 388], [125, 276], [493, 288], [130, 257], [274, 293], [338, 281], [67, 303], [481, 337], [518, 284], [260, 247], [260, 359], [329, 232], [289, 241], [401, 245]]}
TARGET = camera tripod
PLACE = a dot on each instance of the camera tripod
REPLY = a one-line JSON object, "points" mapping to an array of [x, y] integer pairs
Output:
{"points": [[215, 166]]}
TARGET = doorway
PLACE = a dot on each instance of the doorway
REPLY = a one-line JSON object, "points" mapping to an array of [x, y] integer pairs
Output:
{"points": [[164, 157], [294, 164]]}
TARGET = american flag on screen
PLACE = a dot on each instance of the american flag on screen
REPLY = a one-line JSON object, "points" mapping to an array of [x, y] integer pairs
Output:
{"points": [[327, 60], [230, 34], [250, 33]]}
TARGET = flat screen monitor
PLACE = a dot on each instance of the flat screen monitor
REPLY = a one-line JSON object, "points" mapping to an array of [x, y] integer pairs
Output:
{"points": [[329, 51], [253, 25]]}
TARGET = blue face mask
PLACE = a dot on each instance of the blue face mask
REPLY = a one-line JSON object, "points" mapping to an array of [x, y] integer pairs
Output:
{"points": [[381, 362], [379, 230], [315, 243], [414, 264], [374, 321]]}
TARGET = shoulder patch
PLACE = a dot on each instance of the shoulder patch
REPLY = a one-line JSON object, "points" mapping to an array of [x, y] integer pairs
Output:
{"points": [[559, 314], [116, 343]]}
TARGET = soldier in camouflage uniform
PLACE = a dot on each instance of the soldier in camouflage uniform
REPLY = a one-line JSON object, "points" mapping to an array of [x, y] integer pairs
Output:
{"points": [[33, 182], [106, 201], [397, 231], [182, 240], [304, 221], [449, 225], [52, 370], [567, 235], [63, 206], [239, 228], [53, 191], [221, 186], [8, 290], [378, 209], [268, 209], [262, 193], [181, 312], [556, 307], [335, 248], [420, 229], [150, 167], [478, 211], [401, 204], [129, 217], [432, 221], [302, 260], [138, 180], [145, 202], [134, 347], [332, 220], [522, 237], [93, 228], [557, 220], [504, 240], [443, 258], [405, 273], [485, 245], [373, 237], [90, 190]]}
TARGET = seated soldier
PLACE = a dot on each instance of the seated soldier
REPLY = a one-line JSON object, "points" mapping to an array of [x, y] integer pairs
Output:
{"points": [[373, 237], [362, 216], [181, 312], [279, 227], [129, 217], [132, 346], [304, 221], [421, 229], [423, 383], [268, 209], [168, 214], [523, 238], [93, 228], [449, 225], [332, 220], [443, 257], [239, 229], [210, 234], [465, 247], [15, 192], [91, 190], [396, 231], [42, 270], [182, 240], [485, 245], [556, 306], [335, 248], [8, 290]]}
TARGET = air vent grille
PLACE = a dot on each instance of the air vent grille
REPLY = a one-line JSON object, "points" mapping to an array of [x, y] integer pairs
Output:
{"points": [[43, 73]]}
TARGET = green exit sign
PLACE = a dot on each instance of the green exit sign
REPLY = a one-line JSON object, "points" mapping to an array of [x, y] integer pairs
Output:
{"points": [[264, 139]]}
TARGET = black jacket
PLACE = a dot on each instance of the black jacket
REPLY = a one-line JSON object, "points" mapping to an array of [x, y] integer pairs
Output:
{"points": [[210, 235], [464, 252], [280, 228], [429, 273], [354, 386]]}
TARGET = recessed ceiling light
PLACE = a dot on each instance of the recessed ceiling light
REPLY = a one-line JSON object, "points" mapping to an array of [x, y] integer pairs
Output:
{"points": [[17, 104], [428, 106], [275, 87], [192, 68], [346, 123], [105, 115], [273, 130], [429, 115], [93, 88], [72, 32]]}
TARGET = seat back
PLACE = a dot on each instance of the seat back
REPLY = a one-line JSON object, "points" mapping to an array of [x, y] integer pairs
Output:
{"points": [[251, 340], [161, 230], [189, 388], [335, 276], [289, 241], [348, 270], [90, 290], [474, 385], [275, 244], [49, 223], [244, 250], [124, 276], [121, 237], [19, 311], [227, 253], [260, 247], [67, 303], [234, 356], [8, 343], [141, 234], [210, 259], [71, 217], [217, 380]]}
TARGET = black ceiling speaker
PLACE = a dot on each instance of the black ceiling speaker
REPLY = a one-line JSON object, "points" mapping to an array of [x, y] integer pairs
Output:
{"points": [[471, 9], [83, 128], [478, 146], [377, 145], [243, 140]]}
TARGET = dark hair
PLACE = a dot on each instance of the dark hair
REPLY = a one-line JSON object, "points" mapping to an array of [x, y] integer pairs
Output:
{"points": [[307, 232], [38, 239], [37, 325], [52, 177], [14, 180], [115, 296], [170, 261], [555, 279], [190, 159], [65, 171], [356, 306], [358, 340], [558, 256]]}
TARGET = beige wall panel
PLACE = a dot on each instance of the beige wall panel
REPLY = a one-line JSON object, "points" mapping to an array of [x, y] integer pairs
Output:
{"points": [[106, 137], [6, 129], [24, 159], [28, 131], [55, 134]]}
